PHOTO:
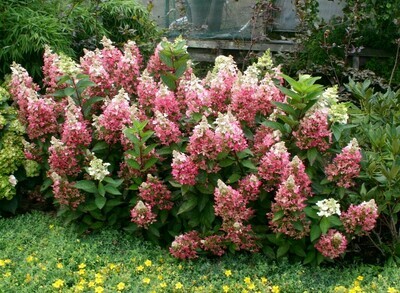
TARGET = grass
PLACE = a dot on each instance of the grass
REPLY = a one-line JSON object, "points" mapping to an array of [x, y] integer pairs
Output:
{"points": [[38, 254]]}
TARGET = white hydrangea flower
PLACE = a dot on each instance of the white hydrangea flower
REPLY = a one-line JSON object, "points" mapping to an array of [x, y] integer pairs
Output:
{"points": [[98, 170], [328, 207], [338, 113], [13, 181]]}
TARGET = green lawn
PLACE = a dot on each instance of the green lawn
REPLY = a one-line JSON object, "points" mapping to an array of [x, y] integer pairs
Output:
{"points": [[38, 254]]}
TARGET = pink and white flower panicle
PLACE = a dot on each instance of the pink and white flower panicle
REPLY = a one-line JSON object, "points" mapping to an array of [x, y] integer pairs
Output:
{"points": [[360, 219], [332, 245]]}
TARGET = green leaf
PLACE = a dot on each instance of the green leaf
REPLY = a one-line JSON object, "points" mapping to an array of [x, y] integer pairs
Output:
{"points": [[114, 182], [69, 91], [101, 189], [249, 164], [310, 257], [233, 178], [335, 221], [100, 201], [87, 106], [188, 205], [310, 212], [278, 215], [86, 185], [268, 251], [112, 190], [84, 83], [298, 250], [167, 60], [100, 146], [146, 135], [324, 225], [282, 250], [46, 184], [153, 230], [285, 108], [134, 164], [150, 163], [315, 232], [113, 202], [312, 155], [226, 162], [169, 80], [149, 148], [274, 125]]}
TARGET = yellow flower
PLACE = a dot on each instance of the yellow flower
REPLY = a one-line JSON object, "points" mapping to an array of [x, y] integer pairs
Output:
{"points": [[178, 286], [120, 286], [81, 266], [264, 280], [247, 280], [140, 268], [251, 286], [160, 277], [58, 283], [275, 289], [7, 274], [7, 261], [112, 266], [51, 227], [146, 281], [91, 284], [28, 278], [30, 258], [99, 289], [360, 278], [148, 263], [81, 272], [340, 289], [392, 290], [163, 285], [99, 279], [2, 263], [225, 288], [228, 273], [59, 265]]}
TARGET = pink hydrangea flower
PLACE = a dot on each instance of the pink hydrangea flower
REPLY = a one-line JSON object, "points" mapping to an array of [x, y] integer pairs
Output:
{"points": [[266, 94], [264, 138], [165, 102], [273, 164], [345, 166], [63, 158], [215, 244], [360, 219], [184, 169], [185, 246], [195, 96], [241, 235], [249, 187], [146, 91], [313, 132], [155, 66], [155, 193], [297, 169], [230, 132], [166, 130], [142, 215], [64, 191], [332, 244]]}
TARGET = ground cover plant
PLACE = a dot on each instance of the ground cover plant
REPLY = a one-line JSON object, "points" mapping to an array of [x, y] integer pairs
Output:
{"points": [[46, 256], [251, 161]]}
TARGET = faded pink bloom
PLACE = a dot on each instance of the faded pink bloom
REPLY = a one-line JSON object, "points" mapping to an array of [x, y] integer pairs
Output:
{"points": [[166, 130], [155, 193], [166, 103], [185, 246], [41, 117], [75, 131], [64, 191], [214, 244], [51, 70], [230, 205], [142, 215], [195, 95], [230, 132], [297, 169], [264, 138], [241, 235], [146, 91], [273, 164], [117, 115], [204, 144], [184, 169], [314, 132], [360, 219], [266, 94], [345, 166], [332, 244], [63, 158], [249, 187]]}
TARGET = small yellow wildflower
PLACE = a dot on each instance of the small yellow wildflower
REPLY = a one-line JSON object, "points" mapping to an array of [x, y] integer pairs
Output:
{"points": [[79, 288], [112, 266], [91, 284], [99, 289], [140, 268], [392, 290], [99, 279], [244, 291], [81, 272], [178, 286], [58, 284], [247, 280], [225, 288], [228, 273], [7, 274], [7, 261], [30, 258], [264, 280], [148, 263], [251, 286], [59, 265], [2, 263], [28, 278], [275, 289], [121, 286], [146, 281], [160, 277], [340, 289], [163, 285], [81, 266], [180, 267], [42, 267], [360, 278]]}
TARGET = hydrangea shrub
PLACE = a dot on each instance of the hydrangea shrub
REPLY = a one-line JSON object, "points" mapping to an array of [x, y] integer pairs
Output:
{"points": [[253, 160]]}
